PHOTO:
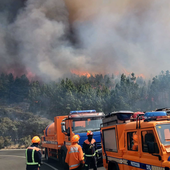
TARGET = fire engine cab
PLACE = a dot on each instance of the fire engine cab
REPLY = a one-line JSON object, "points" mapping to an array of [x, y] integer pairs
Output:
{"points": [[57, 135], [137, 145]]}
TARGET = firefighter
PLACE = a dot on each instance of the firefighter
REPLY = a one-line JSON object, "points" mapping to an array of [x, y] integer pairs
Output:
{"points": [[90, 150], [33, 155], [135, 141], [74, 157]]}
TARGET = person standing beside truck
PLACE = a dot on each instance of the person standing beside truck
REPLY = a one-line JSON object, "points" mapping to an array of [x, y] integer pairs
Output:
{"points": [[33, 155], [90, 149], [74, 157]]}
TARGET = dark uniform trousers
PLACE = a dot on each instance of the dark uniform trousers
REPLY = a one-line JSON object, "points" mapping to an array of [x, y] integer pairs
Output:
{"points": [[79, 168], [91, 161]]}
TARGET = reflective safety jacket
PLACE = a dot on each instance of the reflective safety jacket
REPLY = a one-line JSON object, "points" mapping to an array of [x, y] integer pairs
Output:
{"points": [[74, 156], [89, 148], [33, 156]]}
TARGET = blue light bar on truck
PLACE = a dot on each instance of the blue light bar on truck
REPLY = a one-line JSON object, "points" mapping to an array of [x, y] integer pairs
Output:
{"points": [[155, 114], [82, 111]]}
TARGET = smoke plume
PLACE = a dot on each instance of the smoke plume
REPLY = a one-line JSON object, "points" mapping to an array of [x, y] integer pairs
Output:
{"points": [[50, 38]]}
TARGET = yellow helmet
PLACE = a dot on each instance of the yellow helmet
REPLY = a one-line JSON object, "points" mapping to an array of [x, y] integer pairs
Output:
{"points": [[89, 133], [36, 139], [75, 138]]}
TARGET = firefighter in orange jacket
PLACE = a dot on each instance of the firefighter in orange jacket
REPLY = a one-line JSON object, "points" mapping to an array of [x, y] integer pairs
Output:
{"points": [[74, 157], [135, 140], [90, 149], [33, 155]]}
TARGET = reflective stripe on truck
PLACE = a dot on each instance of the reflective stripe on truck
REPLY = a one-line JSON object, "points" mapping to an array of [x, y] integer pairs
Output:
{"points": [[135, 164]]}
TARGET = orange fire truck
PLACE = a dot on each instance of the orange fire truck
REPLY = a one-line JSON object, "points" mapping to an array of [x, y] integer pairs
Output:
{"points": [[136, 145], [57, 135]]}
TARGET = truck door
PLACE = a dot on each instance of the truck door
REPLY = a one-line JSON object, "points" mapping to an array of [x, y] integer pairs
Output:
{"points": [[149, 141], [67, 137], [110, 146], [131, 156]]}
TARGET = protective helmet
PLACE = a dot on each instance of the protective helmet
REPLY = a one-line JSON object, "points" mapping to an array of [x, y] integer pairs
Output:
{"points": [[36, 139], [75, 138], [89, 133]]}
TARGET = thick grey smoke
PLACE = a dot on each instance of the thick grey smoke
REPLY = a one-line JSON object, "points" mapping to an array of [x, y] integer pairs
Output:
{"points": [[112, 36], [127, 35]]}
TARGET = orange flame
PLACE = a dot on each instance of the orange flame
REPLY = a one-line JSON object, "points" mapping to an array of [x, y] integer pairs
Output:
{"points": [[30, 75], [141, 75], [124, 71], [81, 73], [117, 73]]}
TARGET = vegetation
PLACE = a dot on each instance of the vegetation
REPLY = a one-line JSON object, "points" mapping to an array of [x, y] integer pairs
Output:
{"points": [[21, 100], [18, 127]]}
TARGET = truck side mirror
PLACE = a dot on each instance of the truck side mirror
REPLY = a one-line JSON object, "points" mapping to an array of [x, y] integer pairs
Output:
{"points": [[64, 130], [68, 131], [63, 127], [151, 147]]}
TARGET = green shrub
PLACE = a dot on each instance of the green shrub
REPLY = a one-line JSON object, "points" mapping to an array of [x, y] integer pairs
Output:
{"points": [[7, 141], [1, 142], [26, 141]]}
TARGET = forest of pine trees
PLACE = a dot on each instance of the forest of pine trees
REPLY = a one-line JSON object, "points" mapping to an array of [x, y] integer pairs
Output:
{"points": [[100, 92]]}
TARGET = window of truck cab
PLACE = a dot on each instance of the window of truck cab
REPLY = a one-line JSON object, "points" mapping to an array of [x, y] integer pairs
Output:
{"points": [[148, 137], [110, 141], [163, 131], [83, 125], [132, 141]]}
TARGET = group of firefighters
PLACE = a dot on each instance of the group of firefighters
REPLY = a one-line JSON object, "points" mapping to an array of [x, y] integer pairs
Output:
{"points": [[77, 158]]}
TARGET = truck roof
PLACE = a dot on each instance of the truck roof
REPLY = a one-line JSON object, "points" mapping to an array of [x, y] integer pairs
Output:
{"points": [[86, 115], [144, 124]]}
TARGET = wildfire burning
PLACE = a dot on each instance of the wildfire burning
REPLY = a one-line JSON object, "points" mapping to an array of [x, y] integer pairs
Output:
{"points": [[127, 73], [81, 73], [87, 74], [17, 73]]}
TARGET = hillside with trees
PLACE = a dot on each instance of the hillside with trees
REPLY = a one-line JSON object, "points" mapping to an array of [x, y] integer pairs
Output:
{"points": [[17, 127], [105, 93]]}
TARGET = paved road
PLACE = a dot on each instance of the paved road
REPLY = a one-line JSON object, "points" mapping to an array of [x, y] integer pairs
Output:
{"points": [[15, 160]]}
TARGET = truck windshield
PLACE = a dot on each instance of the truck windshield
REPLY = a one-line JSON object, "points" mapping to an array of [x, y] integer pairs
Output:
{"points": [[85, 125], [164, 133]]}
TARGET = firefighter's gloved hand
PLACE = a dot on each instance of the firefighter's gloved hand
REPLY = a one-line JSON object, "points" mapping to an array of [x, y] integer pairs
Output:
{"points": [[97, 153], [82, 165], [91, 146]]}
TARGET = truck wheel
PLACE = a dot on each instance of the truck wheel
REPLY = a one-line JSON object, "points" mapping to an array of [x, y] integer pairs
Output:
{"points": [[113, 166]]}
